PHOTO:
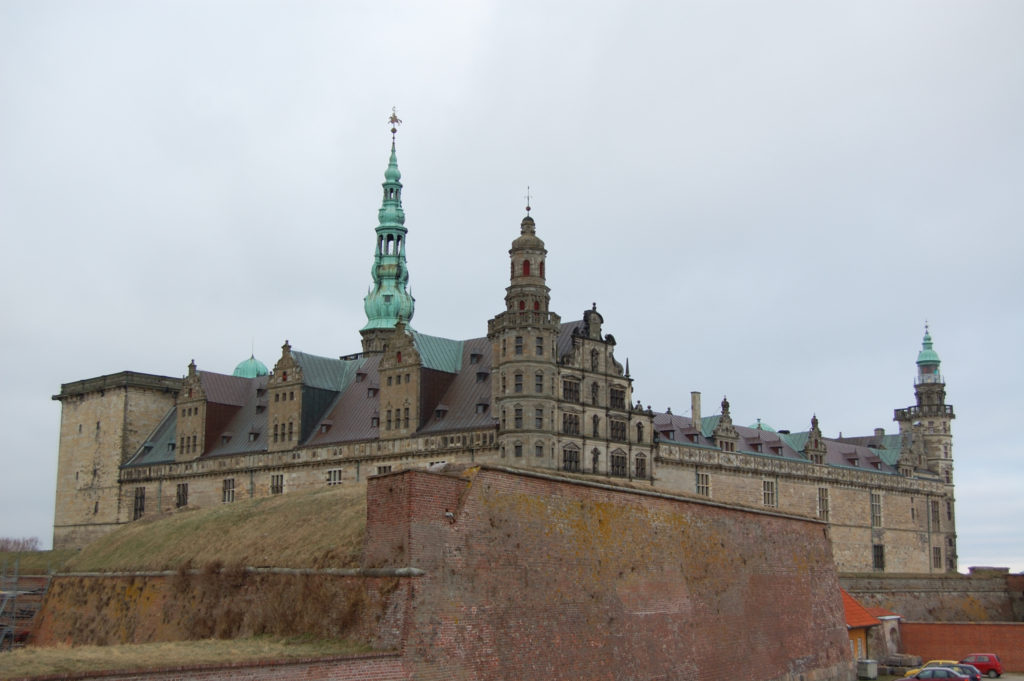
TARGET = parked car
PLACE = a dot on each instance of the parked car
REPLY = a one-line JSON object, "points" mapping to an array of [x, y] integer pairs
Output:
{"points": [[968, 670], [929, 663], [943, 673], [987, 663]]}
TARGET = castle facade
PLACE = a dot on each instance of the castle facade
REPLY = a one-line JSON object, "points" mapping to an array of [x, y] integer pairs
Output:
{"points": [[535, 392]]}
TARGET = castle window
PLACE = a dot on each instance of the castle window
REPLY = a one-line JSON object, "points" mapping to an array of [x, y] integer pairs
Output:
{"points": [[387, 421], [277, 484], [375, 422], [823, 503], [277, 397], [334, 476], [538, 382], [617, 430], [817, 457], [275, 432], [381, 470], [522, 305], [195, 445], [878, 557], [518, 383], [571, 424], [619, 464], [704, 484], [139, 505], [389, 380], [937, 557], [536, 305], [596, 426], [593, 360], [181, 495], [641, 466], [876, 510], [290, 430], [227, 491], [571, 391], [291, 395], [474, 358], [526, 268], [538, 450], [768, 493], [481, 376], [639, 432], [594, 390], [571, 460], [617, 398], [935, 515], [539, 350], [518, 449], [398, 356], [949, 510], [519, 345], [538, 419], [481, 408], [405, 418], [519, 417], [542, 269]]}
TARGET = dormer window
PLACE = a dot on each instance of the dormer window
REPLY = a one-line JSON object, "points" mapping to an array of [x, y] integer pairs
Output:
{"points": [[481, 407], [253, 434], [225, 438], [360, 377], [481, 376], [475, 357]]}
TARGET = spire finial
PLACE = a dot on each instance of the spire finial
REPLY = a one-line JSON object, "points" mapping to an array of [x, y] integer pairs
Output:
{"points": [[527, 199], [395, 121]]}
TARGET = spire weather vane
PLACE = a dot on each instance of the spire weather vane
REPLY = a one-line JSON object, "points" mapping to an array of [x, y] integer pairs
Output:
{"points": [[527, 199], [395, 121]]}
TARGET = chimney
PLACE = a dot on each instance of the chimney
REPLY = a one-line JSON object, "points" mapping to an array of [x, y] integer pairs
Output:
{"points": [[695, 408], [879, 432]]}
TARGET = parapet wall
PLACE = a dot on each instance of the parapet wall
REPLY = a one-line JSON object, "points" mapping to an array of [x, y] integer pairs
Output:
{"points": [[532, 576], [983, 596]]}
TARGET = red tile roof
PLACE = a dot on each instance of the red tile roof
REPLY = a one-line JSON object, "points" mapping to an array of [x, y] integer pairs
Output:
{"points": [[857, 616]]}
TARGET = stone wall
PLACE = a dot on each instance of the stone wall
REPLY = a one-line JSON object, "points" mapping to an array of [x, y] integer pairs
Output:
{"points": [[532, 576], [986, 596]]}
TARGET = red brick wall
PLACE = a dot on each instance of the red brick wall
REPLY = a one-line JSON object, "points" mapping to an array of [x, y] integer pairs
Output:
{"points": [[949, 640], [539, 578]]}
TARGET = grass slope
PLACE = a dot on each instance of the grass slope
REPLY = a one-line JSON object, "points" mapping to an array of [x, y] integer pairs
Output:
{"points": [[317, 529]]}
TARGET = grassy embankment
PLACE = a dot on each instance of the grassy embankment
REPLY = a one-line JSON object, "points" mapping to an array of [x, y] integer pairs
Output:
{"points": [[318, 529]]}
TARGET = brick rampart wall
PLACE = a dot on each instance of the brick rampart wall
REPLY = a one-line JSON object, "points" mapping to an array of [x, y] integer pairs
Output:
{"points": [[536, 577], [956, 640]]}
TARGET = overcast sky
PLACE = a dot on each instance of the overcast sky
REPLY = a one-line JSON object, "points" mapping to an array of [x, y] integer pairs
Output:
{"points": [[766, 200]]}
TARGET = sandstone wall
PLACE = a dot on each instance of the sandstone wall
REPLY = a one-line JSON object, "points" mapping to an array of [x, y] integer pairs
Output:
{"points": [[985, 597]]}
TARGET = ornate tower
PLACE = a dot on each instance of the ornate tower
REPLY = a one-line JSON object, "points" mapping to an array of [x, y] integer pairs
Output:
{"points": [[524, 341], [388, 301], [928, 446]]}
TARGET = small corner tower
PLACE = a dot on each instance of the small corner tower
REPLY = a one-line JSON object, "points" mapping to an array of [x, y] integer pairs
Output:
{"points": [[388, 301], [928, 446], [929, 419]]}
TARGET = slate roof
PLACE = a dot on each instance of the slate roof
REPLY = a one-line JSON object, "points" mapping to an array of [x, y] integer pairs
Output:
{"points": [[326, 373], [838, 452], [350, 416], [157, 447], [224, 389], [457, 409]]}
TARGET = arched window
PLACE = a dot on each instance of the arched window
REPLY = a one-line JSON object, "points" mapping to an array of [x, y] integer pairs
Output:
{"points": [[536, 305], [597, 425], [639, 432], [593, 360], [571, 459], [641, 466], [541, 269], [595, 457], [593, 393], [526, 268], [522, 305]]}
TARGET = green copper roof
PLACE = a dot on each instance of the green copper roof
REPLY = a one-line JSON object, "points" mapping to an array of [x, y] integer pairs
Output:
{"points": [[251, 368], [927, 355], [440, 354], [388, 300]]}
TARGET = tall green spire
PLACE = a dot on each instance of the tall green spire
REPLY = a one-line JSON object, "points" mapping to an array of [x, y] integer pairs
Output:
{"points": [[389, 301]]}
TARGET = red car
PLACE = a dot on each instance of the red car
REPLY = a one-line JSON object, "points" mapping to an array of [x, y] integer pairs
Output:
{"points": [[987, 663]]}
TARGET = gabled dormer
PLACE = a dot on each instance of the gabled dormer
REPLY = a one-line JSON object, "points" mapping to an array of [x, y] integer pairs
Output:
{"points": [[284, 402], [814, 449], [191, 417], [725, 434]]}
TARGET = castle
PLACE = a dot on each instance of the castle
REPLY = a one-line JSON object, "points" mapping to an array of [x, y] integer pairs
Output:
{"points": [[535, 392]]}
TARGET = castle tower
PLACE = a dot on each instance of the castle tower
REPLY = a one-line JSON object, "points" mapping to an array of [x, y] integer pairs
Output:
{"points": [[524, 341], [388, 300], [928, 446]]}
